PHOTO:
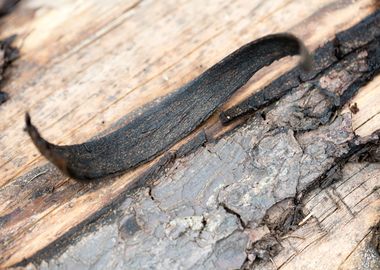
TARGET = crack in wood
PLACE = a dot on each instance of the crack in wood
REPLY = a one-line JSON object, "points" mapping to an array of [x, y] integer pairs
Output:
{"points": [[356, 246]]}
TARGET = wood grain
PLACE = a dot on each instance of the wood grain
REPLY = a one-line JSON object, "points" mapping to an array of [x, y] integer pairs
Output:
{"points": [[84, 66], [339, 226]]}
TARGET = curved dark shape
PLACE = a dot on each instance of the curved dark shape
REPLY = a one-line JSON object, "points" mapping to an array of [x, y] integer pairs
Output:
{"points": [[176, 116]]}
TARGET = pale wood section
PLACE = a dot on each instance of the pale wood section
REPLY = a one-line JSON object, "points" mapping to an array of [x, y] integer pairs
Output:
{"points": [[340, 224], [86, 64], [367, 120]]}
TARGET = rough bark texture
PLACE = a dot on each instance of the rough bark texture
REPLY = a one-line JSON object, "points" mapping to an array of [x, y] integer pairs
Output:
{"points": [[294, 186]]}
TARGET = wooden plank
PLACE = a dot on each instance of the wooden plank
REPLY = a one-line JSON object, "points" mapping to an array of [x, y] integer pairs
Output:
{"points": [[78, 76]]}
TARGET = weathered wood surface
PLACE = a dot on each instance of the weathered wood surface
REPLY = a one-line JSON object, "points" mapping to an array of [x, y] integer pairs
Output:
{"points": [[85, 65]]}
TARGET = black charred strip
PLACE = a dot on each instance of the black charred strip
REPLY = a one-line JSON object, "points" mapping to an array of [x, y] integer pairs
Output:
{"points": [[176, 116], [344, 43]]}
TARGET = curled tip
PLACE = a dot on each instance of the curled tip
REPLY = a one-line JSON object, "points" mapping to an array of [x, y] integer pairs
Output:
{"points": [[306, 62], [50, 151]]}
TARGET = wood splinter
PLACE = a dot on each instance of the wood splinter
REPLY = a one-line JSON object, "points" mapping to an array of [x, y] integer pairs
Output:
{"points": [[160, 127]]}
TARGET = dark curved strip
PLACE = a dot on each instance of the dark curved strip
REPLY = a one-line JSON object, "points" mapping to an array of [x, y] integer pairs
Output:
{"points": [[176, 116]]}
